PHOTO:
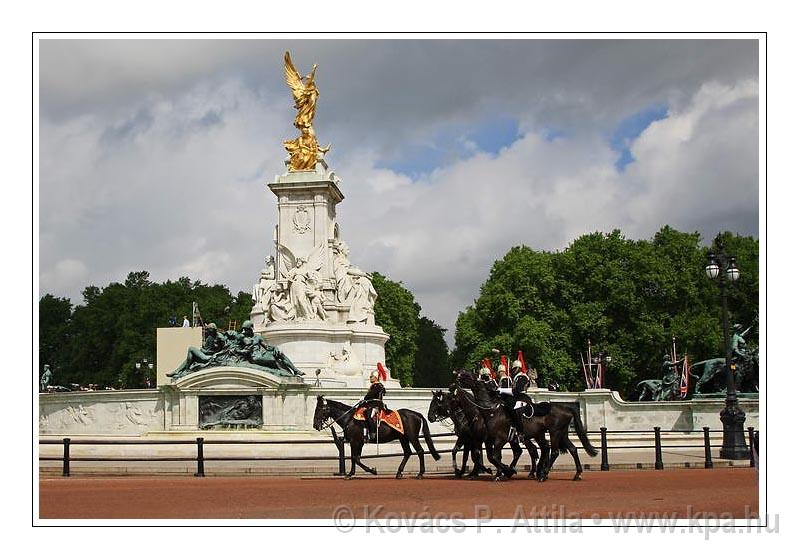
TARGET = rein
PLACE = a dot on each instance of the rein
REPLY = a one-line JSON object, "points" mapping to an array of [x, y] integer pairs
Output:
{"points": [[330, 420], [476, 405]]}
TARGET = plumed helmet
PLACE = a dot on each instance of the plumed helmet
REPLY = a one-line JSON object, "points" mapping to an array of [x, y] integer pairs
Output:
{"points": [[373, 376], [484, 371], [501, 368], [211, 326], [516, 364], [248, 324]]}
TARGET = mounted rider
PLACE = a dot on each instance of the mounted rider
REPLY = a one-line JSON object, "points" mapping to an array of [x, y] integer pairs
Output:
{"points": [[505, 380], [373, 403], [515, 397], [485, 375]]}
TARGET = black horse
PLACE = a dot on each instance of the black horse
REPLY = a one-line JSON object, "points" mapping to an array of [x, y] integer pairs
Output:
{"points": [[353, 430], [555, 423], [445, 405], [495, 424]]}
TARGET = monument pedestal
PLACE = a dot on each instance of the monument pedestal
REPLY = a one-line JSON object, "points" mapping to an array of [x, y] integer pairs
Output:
{"points": [[311, 302]]}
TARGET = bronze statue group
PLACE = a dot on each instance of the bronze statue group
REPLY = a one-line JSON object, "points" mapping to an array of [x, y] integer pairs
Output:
{"points": [[486, 414]]}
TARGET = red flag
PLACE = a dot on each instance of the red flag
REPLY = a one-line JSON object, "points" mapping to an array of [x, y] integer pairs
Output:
{"points": [[521, 359], [382, 374], [488, 365]]}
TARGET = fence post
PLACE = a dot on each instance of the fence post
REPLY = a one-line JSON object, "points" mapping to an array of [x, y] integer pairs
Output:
{"points": [[659, 466], [201, 467], [339, 442], [65, 469], [707, 445], [603, 449], [751, 435]]}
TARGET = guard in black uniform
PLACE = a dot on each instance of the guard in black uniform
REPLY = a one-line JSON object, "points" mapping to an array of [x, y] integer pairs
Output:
{"points": [[520, 382], [486, 376], [373, 401], [505, 380]]}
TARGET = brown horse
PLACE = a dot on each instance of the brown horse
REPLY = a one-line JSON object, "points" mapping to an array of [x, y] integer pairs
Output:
{"points": [[329, 411]]}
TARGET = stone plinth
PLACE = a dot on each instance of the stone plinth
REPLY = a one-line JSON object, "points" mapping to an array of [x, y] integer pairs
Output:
{"points": [[315, 345]]}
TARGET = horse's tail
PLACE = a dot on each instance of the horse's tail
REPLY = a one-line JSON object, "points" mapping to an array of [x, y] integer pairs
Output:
{"points": [[581, 431], [427, 433]]}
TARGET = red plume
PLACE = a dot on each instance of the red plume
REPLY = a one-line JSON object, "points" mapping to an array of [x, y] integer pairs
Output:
{"points": [[488, 365], [382, 374], [521, 359], [504, 361]]}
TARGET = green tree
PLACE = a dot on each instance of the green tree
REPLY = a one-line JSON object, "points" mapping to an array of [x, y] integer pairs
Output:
{"points": [[628, 297], [431, 367], [55, 315], [398, 314]]}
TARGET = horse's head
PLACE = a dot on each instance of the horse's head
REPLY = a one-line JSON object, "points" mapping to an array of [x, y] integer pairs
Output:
{"points": [[466, 379], [321, 413], [438, 408]]}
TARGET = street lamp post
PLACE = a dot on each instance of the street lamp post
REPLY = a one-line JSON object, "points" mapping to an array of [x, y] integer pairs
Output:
{"points": [[148, 370], [732, 417]]}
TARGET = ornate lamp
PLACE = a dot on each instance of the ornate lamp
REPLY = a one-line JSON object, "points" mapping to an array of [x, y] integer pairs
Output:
{"points": [[732, 416]]}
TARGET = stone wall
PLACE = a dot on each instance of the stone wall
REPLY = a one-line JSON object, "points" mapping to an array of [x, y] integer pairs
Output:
{"points": [[291, 408]]}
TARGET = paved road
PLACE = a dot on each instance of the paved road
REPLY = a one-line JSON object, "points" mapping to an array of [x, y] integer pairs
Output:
{"points": [[680, 492]]}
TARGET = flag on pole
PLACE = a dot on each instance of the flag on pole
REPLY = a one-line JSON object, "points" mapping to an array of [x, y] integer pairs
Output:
{"points": [[382, 373], [585, 373], [521, 360], [684, 388]]}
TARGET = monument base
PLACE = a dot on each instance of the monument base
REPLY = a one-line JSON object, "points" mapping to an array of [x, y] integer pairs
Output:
{"points": [[331, 355]]}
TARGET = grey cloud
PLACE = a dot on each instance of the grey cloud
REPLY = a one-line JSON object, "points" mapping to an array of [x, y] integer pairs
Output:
{"points": [[154, 154]]}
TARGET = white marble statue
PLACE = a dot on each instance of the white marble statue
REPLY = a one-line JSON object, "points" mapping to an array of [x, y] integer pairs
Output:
{"points": [[304, 283], [353, 287]]}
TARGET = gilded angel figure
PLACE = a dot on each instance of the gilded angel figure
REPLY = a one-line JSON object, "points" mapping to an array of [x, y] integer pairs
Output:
{"points": [[304, 150]]}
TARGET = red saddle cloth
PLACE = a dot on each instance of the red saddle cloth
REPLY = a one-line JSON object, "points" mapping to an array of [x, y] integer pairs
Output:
{"points": [[392, 418]]}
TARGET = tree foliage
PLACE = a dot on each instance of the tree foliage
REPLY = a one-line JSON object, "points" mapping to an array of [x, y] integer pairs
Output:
{"points": [[628, 297], [100, 340], [416, 352]]}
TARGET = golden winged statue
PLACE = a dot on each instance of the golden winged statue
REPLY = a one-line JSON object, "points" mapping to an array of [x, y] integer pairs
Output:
{"points": [[304, 151]]}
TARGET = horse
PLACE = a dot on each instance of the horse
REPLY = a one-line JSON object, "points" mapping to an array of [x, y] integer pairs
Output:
{"points": [[556, 423], [445, 405], [496, 425], [342, 414]]}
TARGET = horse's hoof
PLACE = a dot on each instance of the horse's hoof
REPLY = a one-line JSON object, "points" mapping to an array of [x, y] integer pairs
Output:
{"points": [[420, 476], [532, 475], [374, 472], [576, 478], [348, 477], [500, 478], [398, 476], [458, 473]]}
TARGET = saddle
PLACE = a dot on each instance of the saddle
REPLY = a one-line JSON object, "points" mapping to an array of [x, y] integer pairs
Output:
{"points": [[523, 408], [389, 417]]}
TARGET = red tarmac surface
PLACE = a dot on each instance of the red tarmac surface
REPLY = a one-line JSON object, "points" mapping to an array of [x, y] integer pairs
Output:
{"points": [[681, 492]]}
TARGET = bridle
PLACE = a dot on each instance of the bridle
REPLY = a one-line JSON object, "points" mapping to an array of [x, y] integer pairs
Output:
{"points": [[329, 419]]}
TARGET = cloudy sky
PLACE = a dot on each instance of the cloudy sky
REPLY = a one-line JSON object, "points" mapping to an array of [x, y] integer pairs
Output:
{"points": [[155, 154]]}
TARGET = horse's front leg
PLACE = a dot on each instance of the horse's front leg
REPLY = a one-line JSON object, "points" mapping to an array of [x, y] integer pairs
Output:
{"points": [[357, 460], [459, 444]]}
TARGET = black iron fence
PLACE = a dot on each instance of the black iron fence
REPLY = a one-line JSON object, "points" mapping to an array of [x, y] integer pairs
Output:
{"points": [[200, 458]]}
